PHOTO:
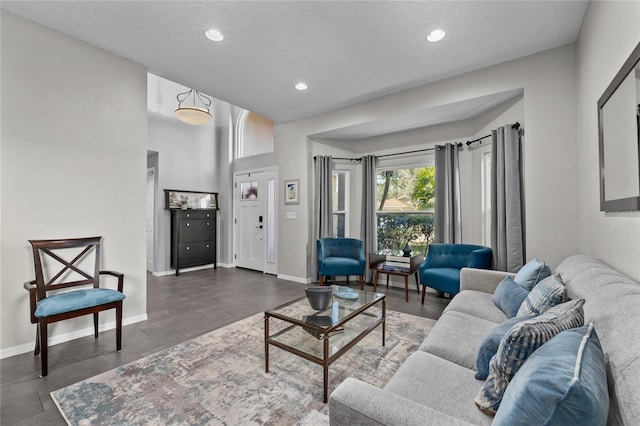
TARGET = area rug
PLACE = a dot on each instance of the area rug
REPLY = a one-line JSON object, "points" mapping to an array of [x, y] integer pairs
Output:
{"points": [[219, 379]]}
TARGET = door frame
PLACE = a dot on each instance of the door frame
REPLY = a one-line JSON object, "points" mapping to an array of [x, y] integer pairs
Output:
{"points": [[266, 173]]}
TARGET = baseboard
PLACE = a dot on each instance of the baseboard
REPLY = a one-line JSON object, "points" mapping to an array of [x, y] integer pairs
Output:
{"points": [[294, 279], [66, 337], [173, 271]]}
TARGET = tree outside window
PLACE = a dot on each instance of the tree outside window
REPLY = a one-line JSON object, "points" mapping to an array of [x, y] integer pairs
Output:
{"points": [[405, 199]]}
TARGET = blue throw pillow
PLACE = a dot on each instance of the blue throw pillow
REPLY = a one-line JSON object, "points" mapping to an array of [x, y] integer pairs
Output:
{"points": [[491, 342], [519, 343], [509, 296], [562, 383], [548, 293], [531, 274]]}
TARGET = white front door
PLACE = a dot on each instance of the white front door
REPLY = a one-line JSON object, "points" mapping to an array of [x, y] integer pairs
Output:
{"points": [[250, 194], [151, 174]]}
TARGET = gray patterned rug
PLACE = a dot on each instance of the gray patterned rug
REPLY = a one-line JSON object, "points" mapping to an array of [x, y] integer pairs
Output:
{"points": [[218, 378]]}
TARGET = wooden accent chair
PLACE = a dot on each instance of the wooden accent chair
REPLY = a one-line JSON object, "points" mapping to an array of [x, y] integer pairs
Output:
{"points": [[48, 308], [341, 256]]}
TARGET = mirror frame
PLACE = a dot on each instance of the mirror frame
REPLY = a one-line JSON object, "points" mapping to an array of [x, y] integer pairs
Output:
{"points": [[629, 203]]}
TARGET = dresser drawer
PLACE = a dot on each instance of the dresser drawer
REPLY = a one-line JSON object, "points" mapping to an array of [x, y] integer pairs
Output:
{"points": [[196, 230], [190, 254], [194, 214]]}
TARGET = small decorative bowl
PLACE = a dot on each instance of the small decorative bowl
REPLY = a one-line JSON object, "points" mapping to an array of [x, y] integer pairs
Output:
{"points": [[319, 297]]}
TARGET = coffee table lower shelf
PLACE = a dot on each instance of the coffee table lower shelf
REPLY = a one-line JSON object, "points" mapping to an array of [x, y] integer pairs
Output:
{"points": [[324, 351]]}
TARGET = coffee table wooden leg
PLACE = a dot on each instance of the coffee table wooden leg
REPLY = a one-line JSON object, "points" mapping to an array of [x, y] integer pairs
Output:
{"points": [[266, 344], [325, 366], [406, 288], [375, 281]]}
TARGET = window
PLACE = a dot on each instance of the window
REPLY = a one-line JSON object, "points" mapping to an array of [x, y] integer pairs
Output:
{"points": [[255, 135], [340, 201], [405, 199]]}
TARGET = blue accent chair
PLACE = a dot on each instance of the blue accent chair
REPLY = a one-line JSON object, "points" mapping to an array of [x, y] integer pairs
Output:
{"points": [[341, 256], [441, 269], [55, 272]]}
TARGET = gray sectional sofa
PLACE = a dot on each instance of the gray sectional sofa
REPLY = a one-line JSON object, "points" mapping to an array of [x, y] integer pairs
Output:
{"points": [[436, 384]]}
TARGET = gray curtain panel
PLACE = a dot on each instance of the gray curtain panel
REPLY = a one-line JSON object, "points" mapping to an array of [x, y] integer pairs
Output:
{"points": [[507, 218], [368, 222], [322, 206], [447, 212]]}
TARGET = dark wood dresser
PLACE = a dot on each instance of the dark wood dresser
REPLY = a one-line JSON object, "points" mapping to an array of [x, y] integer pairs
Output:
{"points": [[193, 238]]}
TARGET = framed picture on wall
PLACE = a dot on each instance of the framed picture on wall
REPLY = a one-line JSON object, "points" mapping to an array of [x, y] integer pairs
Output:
{"points": [[292, 191]]}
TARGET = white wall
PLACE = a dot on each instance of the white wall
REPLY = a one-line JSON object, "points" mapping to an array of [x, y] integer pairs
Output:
{"points": [[74, 136], [610, 31], [551, 169]]}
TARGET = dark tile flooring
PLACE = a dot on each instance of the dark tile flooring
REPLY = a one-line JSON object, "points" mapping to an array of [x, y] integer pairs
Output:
{"points": [[179, 308]]}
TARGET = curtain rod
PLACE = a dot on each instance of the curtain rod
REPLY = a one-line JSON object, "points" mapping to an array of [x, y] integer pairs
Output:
{"points": [[459, 144], [514, 126]]}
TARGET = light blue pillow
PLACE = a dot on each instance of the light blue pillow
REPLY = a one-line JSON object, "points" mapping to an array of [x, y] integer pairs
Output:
{"points": [[519, 343], [562, 383], [491, 342], [531, 274], [509, 296], [548, 293]]}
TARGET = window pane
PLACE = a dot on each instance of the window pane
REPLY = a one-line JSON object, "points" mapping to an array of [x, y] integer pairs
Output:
{"points": [[405, 199], [339, 224]]}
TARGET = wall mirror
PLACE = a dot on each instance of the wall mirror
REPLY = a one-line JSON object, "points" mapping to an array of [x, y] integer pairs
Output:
{"points": [[619, 139]]}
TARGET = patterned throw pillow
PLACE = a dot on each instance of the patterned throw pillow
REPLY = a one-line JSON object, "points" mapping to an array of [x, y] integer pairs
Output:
{"points": [[531, 274], [491, 342], [548, 293], [509, 296], [519, 343]]}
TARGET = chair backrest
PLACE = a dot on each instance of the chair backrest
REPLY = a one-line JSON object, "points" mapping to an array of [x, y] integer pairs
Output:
{"points": [[340, 247], [452, 255], [73, 272]]}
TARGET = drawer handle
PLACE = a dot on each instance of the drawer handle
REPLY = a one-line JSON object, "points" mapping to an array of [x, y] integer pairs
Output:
{"points": [[207, 223], [187, 247], [188, 215], [207, 245], [208, 215], [187, 223]]}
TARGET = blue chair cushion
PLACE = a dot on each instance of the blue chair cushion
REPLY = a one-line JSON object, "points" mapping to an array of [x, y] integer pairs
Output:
{"points": [[75, 300], [443, 279], [522, 340], [491, 342], [562, 383], [548, 293], [532, 273], [341, 266], [508, 296]]}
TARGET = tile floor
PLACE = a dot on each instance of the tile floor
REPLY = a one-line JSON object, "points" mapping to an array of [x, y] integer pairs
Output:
{"points": [[178, 308]]}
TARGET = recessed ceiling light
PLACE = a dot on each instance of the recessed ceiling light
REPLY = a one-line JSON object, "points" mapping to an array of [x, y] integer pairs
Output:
{"points": [[435, 35], [301, 86], [214, 35]]}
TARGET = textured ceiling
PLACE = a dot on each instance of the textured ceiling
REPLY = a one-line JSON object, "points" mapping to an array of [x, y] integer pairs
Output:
{"points": [[347, 52]]}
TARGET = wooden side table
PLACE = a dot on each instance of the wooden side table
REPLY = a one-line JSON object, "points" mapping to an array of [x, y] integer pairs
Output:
{"points": [[376, 263]]}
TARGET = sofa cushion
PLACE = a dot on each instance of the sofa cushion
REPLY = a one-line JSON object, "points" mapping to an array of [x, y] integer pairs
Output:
{"points": [[564, 382], [532, 273], [519, 343], [509, 296], [549, 292], [440, 384], [456, 337], [478, 304], [490, 343]]}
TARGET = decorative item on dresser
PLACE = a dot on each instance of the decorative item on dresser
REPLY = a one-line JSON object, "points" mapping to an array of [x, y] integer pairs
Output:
{"points": [[193, 230]]}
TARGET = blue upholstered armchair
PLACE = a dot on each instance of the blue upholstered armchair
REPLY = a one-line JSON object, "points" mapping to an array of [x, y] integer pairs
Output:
{"points": [[341, 256], [441, 269]]}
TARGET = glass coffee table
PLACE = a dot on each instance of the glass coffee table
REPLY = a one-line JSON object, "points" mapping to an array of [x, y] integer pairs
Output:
{"points": [[324, 336]]}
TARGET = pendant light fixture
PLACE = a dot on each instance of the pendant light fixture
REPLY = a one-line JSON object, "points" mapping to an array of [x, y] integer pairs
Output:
{"points": [[193, 114]]}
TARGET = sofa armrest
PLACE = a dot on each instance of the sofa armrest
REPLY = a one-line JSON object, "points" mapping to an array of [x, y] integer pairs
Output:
{"points": [[355, 402], [481, 279]]}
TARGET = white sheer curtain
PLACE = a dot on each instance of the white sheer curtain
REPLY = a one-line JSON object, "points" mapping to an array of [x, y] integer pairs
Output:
{"points": [[507, 219], [447, 210], [323, 209], [368, 222]]}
